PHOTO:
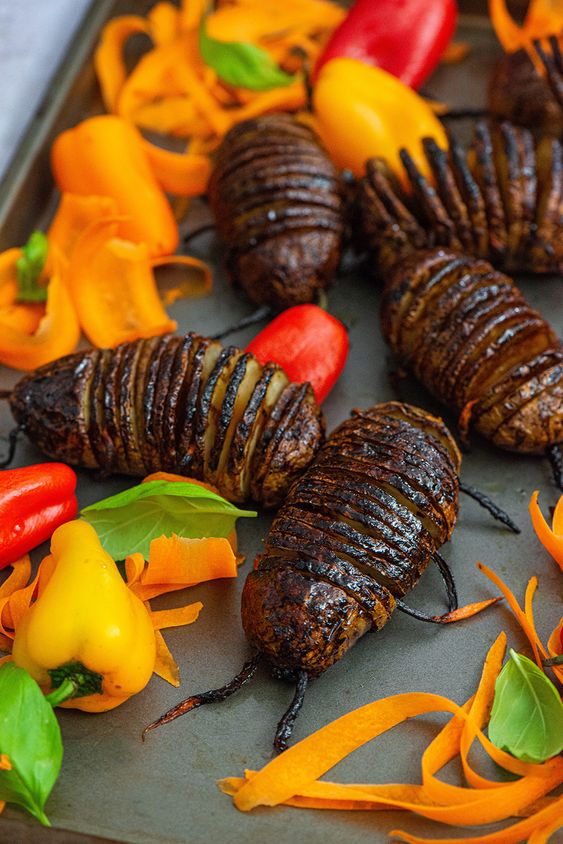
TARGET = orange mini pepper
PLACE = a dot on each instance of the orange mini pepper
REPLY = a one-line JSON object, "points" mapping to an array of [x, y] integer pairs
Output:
{"points": [[113, 288], [105, 156], [33, 334], [364, 111]]}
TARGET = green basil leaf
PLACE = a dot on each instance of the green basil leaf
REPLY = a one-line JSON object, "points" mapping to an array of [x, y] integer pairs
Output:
{"points": [[527, 715], [240, 64], [30, 266], [129, 521], [31, 739]]}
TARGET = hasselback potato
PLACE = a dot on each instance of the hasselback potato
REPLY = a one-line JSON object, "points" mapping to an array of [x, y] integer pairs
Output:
{"points": [[518, 93], [181, 404], [277, 199], [355, 534], [503, 201], [469, 336]]}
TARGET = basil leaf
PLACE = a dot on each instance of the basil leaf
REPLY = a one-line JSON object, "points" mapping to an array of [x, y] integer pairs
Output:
{"points": [[129, 521], [527, 715], [241, 64], [30, 741], [30, 266]]}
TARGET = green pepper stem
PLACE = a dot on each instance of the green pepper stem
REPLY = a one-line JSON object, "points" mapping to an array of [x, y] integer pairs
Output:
{"points": [[66, 690]]}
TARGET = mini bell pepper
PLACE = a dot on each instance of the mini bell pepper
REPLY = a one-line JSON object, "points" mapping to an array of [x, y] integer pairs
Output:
{"points": [[364, 111], [34, 501], [308, 343], [87, 638], [105, 156], [404, 37]]}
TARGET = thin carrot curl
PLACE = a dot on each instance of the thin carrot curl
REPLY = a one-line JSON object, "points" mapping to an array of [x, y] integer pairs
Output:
{"points": [[293, 777]]}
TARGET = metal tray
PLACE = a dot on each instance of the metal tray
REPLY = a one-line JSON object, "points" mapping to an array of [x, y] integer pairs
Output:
{"points": [[114, 786]]}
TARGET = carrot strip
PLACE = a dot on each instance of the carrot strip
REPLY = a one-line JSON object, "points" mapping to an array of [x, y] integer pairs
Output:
{"points": [[165, 665], [481, 709], [176, 559], [552, 540], [514, 606], [468, 610], [108, 58], [510, 835], [164, 23], [529, 613], [297, 767], [18, 577], [177, 617]]}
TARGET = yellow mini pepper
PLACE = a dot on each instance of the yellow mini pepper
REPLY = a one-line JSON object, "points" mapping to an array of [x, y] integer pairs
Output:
{"points": [[363, 111], [87, 637]]}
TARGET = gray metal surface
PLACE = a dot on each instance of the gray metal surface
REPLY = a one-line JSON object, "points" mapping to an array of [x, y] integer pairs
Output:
{"points": [[163, 790]]}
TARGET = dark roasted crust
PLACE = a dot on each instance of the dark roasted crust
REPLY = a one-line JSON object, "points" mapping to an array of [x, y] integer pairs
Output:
{"points": [[471, 338], [356, 532], [278, 202], [502, 201], [179, 404], [519, 94]]}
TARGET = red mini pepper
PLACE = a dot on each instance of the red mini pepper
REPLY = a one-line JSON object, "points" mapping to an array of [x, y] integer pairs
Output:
{"points": [[404, 37], [34, 501], [309, 344]]}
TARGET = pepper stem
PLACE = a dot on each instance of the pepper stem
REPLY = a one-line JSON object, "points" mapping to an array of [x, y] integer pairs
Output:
{"points": [[84, 681], [66, 690]]}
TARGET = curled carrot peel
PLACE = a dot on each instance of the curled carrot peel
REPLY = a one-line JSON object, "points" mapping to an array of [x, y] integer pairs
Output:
{"points": [[172, 91], [551, 538], [292, 778], [525, 617]]}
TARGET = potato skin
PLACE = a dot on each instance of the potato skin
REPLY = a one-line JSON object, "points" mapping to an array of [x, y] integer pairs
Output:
{"points": [[519, 94], [278, 202], [355, 532], [470, 337], [178, 404]]}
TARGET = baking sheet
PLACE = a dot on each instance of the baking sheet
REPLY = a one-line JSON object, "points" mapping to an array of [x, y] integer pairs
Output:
{"points": [[163, 790]]}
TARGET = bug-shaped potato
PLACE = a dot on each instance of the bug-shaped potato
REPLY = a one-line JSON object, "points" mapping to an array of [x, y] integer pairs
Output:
{"points": [[181, 404], [277, 199], [469, 336], [503, 201]]}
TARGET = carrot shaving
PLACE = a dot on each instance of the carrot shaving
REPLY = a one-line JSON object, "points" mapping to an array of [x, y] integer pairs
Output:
{"points": [[178, 617], [525, 618], [551, 538], [172, 91], [468, 610], [549, 817], [292, 778], [165, 665], [177, 559]]}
